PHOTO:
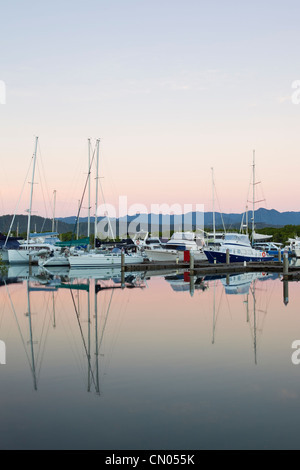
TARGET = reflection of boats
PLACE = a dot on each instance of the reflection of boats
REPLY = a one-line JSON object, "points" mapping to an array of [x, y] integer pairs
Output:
{"points": [[182, 282], [240, 283]]}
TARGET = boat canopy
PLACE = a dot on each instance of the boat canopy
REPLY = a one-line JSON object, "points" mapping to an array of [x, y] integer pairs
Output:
{"points": [[260, 236], [67, 244], [183, 236]]}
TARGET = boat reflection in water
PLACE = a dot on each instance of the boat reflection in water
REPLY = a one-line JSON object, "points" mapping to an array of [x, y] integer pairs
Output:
{"points": [[137, 352], [87, 312]]}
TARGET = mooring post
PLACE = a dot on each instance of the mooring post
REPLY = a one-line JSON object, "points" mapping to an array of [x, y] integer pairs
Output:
{"points": [[285, 264], [192, 284], [227, 257], [122, 261], [192, 264], [285, 292], [279, 256]]}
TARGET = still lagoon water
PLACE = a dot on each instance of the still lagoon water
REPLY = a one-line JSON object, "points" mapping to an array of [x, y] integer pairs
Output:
{"points": [[158, 362]]}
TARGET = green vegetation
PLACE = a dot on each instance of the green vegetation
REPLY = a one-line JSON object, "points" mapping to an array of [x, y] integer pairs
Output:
{"points": [[3, 268], [281, 234]]}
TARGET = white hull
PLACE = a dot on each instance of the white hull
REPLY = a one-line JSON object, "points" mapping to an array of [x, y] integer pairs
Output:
{"points": [[172, 255], [102, 260], [21, 257], [296, 252], [54, 261], [4, 256]]}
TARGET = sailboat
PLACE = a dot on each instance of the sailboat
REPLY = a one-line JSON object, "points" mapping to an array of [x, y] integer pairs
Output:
{"points": [[96, 259], [30, 251]]}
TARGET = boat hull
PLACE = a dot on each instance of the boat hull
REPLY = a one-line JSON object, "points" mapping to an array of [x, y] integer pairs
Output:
{"points": [[22, 257], [220, 257], [165, 255], [101, 260], [54, 261]]}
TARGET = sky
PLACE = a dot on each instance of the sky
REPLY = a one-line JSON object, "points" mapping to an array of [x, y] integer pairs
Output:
{"points": [[171, 89]]}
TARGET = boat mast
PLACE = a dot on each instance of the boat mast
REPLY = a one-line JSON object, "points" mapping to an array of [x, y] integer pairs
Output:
{"points": [[31, 338], [54, 203], [213, 198], [97, 190], [31, 192], [89, 190], [253, 210]]}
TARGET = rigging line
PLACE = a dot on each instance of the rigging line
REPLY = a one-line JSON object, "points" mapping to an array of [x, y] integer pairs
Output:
{"points": [[84, 190], [68, 329], [18, 203], [228, 305], [105, 322], [112, 234], [43, 195], [44, 347], [220, 208], [43, 172], [82, 337], [15, 315], [120, 316], [41, 336]]}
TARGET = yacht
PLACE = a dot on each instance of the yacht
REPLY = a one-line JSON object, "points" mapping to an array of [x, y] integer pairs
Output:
{"points": [[110, 258], [271, 248], [174, 249], [42, 244], [240, 250], [294, 246]]}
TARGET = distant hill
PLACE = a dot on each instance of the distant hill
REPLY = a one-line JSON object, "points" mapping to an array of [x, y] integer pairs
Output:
{"points": [[263, 218]]}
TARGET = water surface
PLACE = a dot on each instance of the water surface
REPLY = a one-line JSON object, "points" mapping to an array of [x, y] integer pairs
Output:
{"points": [[162, 363]]}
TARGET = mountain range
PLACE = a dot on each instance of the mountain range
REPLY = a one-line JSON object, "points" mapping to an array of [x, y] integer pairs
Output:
{"points": [[263, 218]]}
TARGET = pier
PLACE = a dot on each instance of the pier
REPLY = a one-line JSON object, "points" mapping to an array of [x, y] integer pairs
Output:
{"points": [[289, 272]]}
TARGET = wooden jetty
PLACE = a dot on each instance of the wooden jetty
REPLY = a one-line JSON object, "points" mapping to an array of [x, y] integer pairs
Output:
{"points": [[205, 268]]}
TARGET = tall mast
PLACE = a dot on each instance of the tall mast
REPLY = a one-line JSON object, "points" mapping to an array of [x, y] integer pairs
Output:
{"points": [[54, 203], [77, 235], [97, 187], [89, 189], [253, 210], [213, 197], [31, 338], [96, 342], [31, 192]]}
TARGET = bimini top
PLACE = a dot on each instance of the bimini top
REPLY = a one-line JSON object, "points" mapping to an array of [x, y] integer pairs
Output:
{"points": [[46, 234], [236, 239]]}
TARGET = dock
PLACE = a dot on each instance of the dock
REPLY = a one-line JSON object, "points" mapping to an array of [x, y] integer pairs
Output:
{"points": [[205, 268]]}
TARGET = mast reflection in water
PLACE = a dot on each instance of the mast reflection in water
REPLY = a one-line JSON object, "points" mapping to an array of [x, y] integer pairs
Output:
{"points": [[127, 361]]}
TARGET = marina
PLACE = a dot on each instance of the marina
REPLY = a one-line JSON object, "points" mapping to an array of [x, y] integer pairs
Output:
{"points": [[149, 228]]}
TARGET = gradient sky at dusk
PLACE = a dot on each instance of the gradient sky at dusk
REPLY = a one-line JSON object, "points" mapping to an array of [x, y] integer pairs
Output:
{"points": [[171, 88]]}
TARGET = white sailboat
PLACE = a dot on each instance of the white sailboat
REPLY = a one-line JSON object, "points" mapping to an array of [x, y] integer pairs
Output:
{"points": [[96, 259], [30, 251]]}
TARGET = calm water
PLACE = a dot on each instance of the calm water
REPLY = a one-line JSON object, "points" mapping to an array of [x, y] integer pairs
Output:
{"points": [[149, 366]]}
